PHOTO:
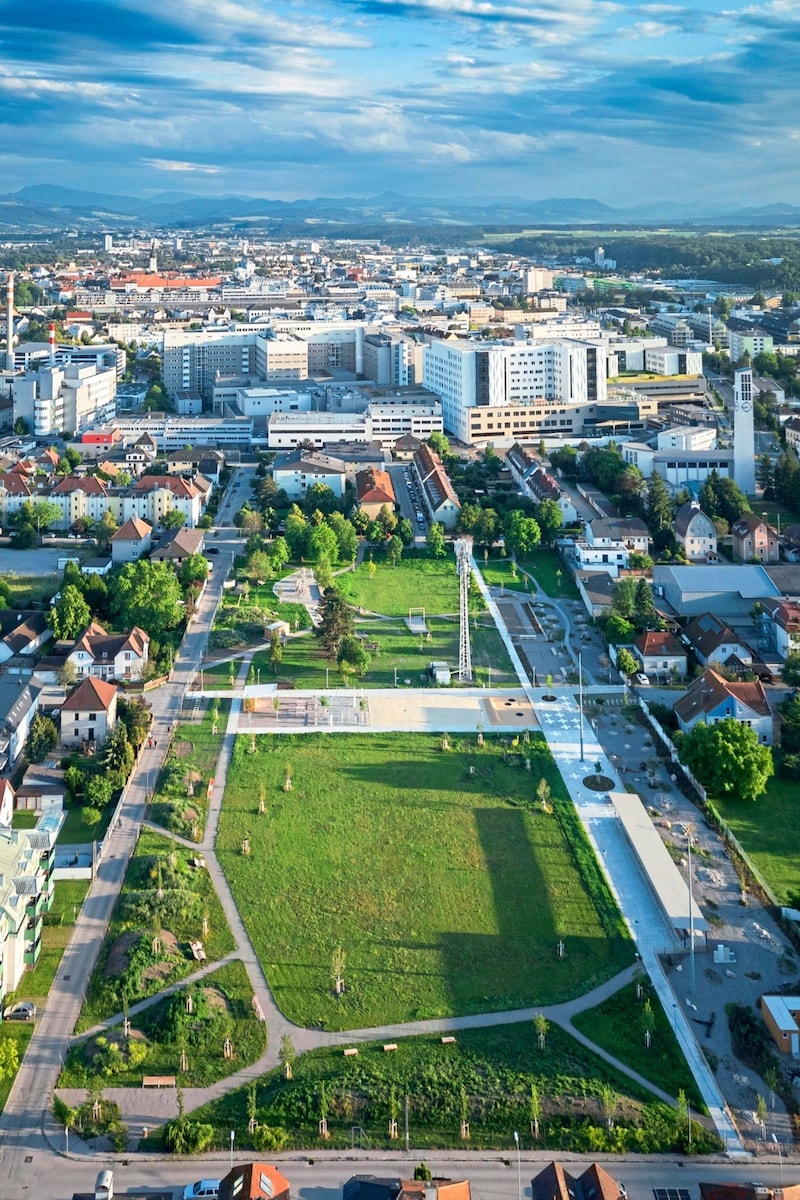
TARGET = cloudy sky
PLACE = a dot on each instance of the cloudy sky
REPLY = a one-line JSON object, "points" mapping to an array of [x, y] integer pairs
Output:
{"points": [[621, 101]]}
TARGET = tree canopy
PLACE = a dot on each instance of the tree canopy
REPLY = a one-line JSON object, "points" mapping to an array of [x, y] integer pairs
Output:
{"points": [[727, 758]]}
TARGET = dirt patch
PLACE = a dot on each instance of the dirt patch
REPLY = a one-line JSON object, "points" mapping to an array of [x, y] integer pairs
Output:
{"points": [[119, 955], [215, 1000], [182, 749], [169, 949]]}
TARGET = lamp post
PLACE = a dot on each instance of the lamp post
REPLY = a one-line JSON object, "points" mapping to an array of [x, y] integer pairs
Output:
{"points": [[233, 1135], [691, 913], [519, 1167], [580, 701], [774, 1139]]}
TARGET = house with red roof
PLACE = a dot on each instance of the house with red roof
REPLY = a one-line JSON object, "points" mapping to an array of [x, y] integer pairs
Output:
{"points": [[89, 713], [660, 654], [374, 491], [711, 699]]}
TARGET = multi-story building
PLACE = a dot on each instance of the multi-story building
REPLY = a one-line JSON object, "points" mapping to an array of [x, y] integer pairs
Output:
{"points": [[780, 625], [493, 390], [26, 894], [696, 532], [754, 540], [57, 399], [392, 361], [750, 342]]}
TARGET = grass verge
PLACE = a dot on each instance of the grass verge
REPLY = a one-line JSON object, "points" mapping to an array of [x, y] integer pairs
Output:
{"points": [[768, 831], [618, 1025], [446, 889], [57, 930], [180, 802]]}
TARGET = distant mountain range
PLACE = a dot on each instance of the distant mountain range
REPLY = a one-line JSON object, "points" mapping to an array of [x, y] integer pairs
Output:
{"points": [[49, 208]]}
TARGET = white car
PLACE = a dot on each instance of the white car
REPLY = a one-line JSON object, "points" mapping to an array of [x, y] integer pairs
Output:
{"points": [[203, 1189], [641, 679]]}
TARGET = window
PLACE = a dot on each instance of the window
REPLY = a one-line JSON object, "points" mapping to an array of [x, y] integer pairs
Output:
{"points": [[92, 716]]}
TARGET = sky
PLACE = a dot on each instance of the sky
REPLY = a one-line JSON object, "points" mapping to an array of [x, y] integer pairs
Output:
{"points": [[627, 103]]}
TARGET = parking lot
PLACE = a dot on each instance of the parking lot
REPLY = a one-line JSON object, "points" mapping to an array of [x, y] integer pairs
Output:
{"points": [[409, 499]]}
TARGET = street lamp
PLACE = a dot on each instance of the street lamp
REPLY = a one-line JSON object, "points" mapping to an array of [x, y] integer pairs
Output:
{"points": [[233, 1135], [580, 701], [519, 1167]]}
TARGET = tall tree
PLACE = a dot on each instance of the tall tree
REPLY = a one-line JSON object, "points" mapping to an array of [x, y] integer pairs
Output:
{"points": [[644, 609], [550, 519], [147, 594], [435, 542], [727, 758], [70, 614], [336, 620], [659, 507]]}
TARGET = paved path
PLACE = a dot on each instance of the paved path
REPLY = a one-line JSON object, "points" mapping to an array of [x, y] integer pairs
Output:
{"points": [[28, 1103]]}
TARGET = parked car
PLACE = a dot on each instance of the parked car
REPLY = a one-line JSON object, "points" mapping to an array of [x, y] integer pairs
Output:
{"points": [[203, 1189], [25, 1010], [641, 679], [212, 550]]}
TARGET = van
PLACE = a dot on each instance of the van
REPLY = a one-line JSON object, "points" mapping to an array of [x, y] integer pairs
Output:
{"points": [[104, 1186]]}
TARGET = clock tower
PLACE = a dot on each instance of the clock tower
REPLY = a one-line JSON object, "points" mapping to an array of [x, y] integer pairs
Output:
{"points": [[744, 450]]}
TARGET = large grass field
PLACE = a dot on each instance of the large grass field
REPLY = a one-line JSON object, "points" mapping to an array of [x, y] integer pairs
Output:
{"points": [[416, 582], [446, 890], [769, 830], [128, 965], [304, 664], [486, 1077]]}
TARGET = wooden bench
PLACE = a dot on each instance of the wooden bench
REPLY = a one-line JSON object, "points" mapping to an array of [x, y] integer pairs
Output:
{"points": [[350, 1052], [448, 1041], [389, 1046], [158, 1081]]}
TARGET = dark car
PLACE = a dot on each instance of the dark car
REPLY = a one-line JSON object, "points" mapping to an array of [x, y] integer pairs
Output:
{"points": [[212, 550]]}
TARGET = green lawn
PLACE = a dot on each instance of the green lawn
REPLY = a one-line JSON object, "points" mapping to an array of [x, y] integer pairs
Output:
{"points": [[416, 582], [222, 1007], [191, 763], [30, 590], [485, 1076], [618, 1026], [75, 831], [769, 830], [550, 574], [24, 818], [127, 961], [19, 1032], [446, 891], [304, 663], [67, 900]]}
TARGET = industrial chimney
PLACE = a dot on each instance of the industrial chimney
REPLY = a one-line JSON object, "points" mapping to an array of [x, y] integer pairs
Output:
{"points": [[10, 322], [52, 341]]}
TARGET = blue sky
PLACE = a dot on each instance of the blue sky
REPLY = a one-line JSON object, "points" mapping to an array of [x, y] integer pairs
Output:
{"points": [[625, 102]]}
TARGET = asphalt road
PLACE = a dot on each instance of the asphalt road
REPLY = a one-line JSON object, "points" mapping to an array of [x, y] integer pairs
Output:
{"points": [[321, 1175], [408, 507]]}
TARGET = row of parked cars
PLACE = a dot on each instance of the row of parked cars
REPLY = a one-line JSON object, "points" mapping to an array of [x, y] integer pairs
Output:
{"points": [[412, 491]]}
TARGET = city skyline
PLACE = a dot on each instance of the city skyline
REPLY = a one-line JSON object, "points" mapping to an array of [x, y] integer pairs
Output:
{"points": [[628, 103]]}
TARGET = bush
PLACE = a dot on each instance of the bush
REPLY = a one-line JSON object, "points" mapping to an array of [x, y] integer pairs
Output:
{"points": [[269, 1138], [183, 1136]]}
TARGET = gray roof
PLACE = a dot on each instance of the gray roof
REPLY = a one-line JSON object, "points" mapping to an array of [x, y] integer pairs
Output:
{"points": [[786, 578], [751, 582], [15, 701]]}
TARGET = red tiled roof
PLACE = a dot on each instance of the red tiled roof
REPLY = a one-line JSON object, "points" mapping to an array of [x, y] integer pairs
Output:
{"points": [[92, 694], [89, 484], [658, 643]]}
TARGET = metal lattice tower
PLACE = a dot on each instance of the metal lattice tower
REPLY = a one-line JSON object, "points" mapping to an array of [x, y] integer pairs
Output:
{"points": [[463, 548]]}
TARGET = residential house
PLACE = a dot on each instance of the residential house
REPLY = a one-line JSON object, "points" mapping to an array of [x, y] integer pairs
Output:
{"points": [[89, 713], [555, 1182], [205, 459], [696, 532], [791, 543], [609, 543], [22, 632], [104, 655], [713, 641], [18, 704], [780, 625], [436, 490], [373, 1187], [754, 540], [176, 545], [80, 498], [596, 590], [791, 428], [131, 540], [711, 699], [25, 896], [298, 470], [374, 491], [405, 447], [534, 481], [661, 654], [254, 1181]]}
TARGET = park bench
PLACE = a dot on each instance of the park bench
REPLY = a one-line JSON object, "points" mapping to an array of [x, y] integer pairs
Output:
{"points": [[158, 1081], [448, 1041], [389, 1046], [350, 1052]]}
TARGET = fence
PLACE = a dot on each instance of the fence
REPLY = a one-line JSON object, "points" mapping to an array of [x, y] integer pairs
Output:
{"points": [[668, 745], [740, 852]]}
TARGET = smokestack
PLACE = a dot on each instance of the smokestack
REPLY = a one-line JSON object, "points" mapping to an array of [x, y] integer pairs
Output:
{"points": [[52, 340], [10, 322]]}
